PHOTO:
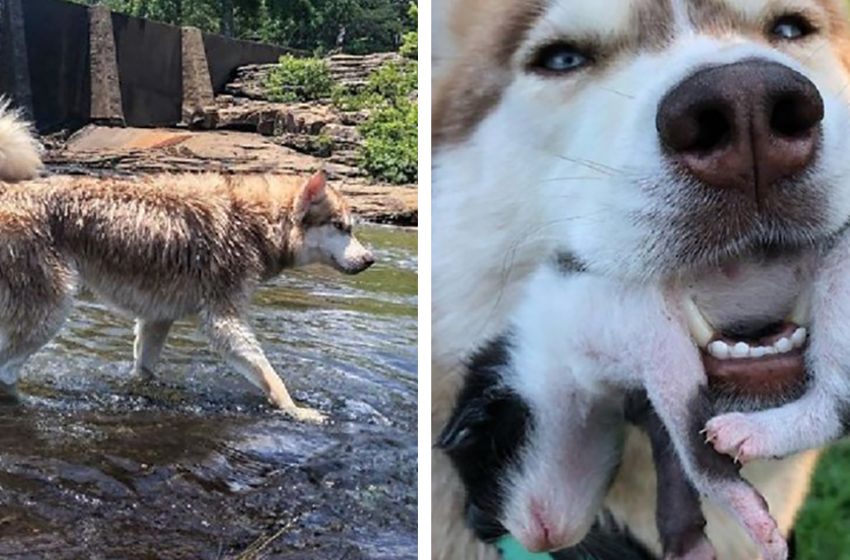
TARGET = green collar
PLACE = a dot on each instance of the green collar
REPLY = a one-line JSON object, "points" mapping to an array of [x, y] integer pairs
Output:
{"points": [[512, 550]]}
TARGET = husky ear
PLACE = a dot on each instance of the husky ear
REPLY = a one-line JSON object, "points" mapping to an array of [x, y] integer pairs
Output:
{"points": [[311, 192]]}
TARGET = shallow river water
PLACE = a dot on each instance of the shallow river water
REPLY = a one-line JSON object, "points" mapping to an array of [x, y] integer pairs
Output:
{"points": [[195, 465]]}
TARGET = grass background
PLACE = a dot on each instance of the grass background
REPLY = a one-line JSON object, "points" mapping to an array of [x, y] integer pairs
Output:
{"points": [[823, 527]]}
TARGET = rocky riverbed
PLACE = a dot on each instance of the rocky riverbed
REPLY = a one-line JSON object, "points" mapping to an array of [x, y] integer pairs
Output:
{"points": [[244, 132]]}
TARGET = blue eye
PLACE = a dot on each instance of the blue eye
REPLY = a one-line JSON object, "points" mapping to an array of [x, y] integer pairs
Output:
{"points": [[791, 27], [559, 58]]}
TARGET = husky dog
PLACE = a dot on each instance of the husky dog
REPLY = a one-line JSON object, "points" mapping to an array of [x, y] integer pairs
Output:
{"points": [[694, 143], [162, 249]]}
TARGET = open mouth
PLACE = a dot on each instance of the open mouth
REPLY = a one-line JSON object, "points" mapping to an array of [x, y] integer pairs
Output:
{"points": [[766, 361]]}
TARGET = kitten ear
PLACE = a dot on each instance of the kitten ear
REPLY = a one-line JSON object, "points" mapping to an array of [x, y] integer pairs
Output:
{"points": [[312, 191]]}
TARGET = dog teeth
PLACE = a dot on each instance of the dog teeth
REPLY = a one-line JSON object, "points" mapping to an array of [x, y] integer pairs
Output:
{"points": [[703, 334], [802, 309], [723, 351], [701, 331], [758, 352], [783, 345], [719, 349], [741, 350], [799, 337]]}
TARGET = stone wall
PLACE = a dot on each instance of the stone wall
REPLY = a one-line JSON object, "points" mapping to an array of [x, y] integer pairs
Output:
{"points": [[68, 65]]}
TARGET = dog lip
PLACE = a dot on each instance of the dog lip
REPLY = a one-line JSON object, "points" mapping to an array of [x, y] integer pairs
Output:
{"points": [[772, 375]]}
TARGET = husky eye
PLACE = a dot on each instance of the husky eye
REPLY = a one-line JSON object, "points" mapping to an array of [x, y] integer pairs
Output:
{"points": [[558, 58], [791, 27], [341, 226]]}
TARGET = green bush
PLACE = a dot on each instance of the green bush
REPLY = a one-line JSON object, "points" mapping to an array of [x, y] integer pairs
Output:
{"points": [[386, 85], [323, 145], [390, 132], [410, 40], [390, 143], [299, 79], [410, 45]]}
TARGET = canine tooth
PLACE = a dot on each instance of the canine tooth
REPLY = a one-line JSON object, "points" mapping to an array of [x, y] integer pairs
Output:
{"points": [[701, 331], [758, 352], [741, 350], [783, 345], [769, 350], [719, 349], [799, 337], [802, 309]]}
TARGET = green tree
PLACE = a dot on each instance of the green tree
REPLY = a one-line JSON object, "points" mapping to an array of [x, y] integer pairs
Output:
{"points": [[356, 26]]}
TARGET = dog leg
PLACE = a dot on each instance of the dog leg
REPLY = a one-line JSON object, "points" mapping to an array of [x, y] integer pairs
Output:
{"points": [[10, 372], [150, 339], [23, 333], [232, 338]]}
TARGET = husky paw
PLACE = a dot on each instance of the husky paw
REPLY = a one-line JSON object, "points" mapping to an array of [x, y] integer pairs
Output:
{"points": [[737, 435], [304, 414], [142, 373]]}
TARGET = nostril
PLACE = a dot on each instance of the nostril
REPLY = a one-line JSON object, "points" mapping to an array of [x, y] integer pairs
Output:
{"points": [[713, 130], [695, 128], [796, 114]]}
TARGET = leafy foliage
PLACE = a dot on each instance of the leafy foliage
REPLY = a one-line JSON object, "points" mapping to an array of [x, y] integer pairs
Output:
{"points": [[390, 148], [386, 85], [299, 79], [355, 26], [410, 40], [391, 131]]}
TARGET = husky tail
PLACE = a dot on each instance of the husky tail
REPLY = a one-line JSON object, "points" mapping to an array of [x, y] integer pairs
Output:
{"points": [[20, 152]]}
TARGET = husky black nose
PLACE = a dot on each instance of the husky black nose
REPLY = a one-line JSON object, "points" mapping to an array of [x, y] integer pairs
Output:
{"points": [[742, 127]]}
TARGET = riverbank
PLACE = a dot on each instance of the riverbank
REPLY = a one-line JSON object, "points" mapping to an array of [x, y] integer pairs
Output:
{"points": [[101, 150]]}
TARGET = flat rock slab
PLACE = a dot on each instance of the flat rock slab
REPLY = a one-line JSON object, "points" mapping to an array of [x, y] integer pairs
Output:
{"points": [[98, 150]]}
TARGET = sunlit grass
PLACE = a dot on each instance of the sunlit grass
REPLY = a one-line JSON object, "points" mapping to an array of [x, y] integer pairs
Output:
{"points": [[823, 528]]}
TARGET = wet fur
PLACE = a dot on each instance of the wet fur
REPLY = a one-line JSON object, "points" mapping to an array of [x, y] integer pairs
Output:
{"points": [[160, 250]]}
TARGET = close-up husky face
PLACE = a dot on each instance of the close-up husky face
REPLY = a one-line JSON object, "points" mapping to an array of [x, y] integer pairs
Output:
{"points": [[699, 141], [327, 234], [656, 136]]}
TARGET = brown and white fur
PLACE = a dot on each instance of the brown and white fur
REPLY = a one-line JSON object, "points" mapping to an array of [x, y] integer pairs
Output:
{"points": [[160, 249], [526, 166]]}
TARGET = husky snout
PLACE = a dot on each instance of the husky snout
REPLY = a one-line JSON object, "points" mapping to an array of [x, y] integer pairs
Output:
{"points": [[356, 258], [740, 128]]}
